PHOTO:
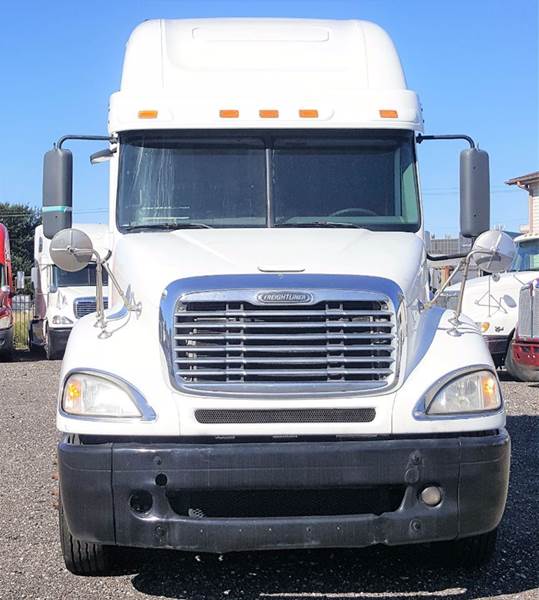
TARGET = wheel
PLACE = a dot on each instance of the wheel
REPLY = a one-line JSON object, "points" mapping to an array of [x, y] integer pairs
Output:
{"points": [[519, 372], [83, 558], [467, 552]]}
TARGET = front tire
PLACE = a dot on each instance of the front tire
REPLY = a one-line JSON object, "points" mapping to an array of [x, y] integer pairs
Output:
{"points": [[519, 372], [83, 558]]}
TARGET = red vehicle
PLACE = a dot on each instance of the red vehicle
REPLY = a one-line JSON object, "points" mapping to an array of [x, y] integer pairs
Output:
{"points": [[524, 355], [6, 293]]}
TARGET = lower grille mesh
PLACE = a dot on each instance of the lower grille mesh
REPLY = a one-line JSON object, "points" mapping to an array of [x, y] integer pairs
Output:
{"points": [[313, 415], [277, 503]]}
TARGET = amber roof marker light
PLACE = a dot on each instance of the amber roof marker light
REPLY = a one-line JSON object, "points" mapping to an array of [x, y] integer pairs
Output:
{"points": [[387, 113], [229, 113], [148, 114], [268, 113], [308, 113]]}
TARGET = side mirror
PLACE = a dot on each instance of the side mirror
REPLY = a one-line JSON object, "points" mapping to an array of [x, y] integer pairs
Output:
{"points": [[493, 251], [101, 156], [474, 192], [71, 250], [34, 277], [20, 280], [57, 191]]}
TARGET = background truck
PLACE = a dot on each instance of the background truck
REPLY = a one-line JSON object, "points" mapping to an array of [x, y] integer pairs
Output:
{"points": [[492, 301], [6, 294], [272, 372], [523, 355], [60, 297]]}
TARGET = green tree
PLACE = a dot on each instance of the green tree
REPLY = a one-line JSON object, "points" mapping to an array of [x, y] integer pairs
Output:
{"points": [[21, 221]]}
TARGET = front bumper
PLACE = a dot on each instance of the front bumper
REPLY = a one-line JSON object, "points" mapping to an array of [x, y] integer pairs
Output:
{"points": [[98, 481], [497, 346], [526, 353], [58, 337]]}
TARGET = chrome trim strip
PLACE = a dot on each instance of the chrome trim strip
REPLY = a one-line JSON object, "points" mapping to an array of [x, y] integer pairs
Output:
{"points": [[147, 412], [220, 288], [420, 409]]}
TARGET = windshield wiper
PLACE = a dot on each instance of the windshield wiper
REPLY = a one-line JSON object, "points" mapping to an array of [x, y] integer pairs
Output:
{"points": [[166, 226], [320, 224]]}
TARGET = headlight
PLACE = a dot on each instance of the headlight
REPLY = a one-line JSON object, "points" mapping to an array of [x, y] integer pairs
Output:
{"points": [[449, 300], [93, 396], [61, 320], [5, 321], [474, 392]]}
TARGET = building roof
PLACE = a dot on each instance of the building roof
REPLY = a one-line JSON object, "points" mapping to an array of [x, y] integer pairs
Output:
{"points": [[524, 179]]}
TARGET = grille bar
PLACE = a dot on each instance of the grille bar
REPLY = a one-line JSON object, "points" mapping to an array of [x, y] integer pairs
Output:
{"points": [[282, 372], [285, 336], [284, 360], [282, 325], [289, 313], [288, 349]]}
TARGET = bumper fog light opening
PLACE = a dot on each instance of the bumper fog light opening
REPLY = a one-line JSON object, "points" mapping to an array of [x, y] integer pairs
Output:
{"points": [[141, 502], [431, 496]]}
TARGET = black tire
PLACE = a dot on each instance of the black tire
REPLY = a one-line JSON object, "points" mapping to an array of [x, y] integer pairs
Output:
{"points": [[469, 552], [83, 558], [519, 372]]}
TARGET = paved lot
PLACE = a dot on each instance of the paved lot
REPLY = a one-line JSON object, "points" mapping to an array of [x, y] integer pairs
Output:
{"points": [[31, 566]]}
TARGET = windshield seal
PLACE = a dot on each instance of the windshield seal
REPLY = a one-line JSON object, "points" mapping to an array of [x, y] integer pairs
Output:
{"points": [[282, 146]]}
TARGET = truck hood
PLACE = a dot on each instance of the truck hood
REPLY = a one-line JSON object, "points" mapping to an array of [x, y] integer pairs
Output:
{"points": [[147, 262]]}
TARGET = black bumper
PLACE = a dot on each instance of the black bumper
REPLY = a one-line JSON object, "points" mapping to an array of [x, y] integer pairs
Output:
{"points": [[58, 337], [98, 480], [497, 346]]}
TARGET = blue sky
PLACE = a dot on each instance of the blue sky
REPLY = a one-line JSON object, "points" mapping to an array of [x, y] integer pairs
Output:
{"points": [[473, 62]]}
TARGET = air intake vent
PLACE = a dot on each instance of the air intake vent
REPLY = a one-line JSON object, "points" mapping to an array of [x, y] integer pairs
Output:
{"points": [[85, 306], [321, 415]]}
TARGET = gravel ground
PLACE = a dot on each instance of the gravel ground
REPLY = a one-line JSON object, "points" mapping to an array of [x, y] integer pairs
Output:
{"points": [[31, 565]]}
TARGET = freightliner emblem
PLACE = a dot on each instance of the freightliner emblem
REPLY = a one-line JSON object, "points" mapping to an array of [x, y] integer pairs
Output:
{"points": [[280, 297]]}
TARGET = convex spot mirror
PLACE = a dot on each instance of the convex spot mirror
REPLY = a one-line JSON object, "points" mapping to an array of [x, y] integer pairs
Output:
{"points": [[493, 251], [71, 250]]}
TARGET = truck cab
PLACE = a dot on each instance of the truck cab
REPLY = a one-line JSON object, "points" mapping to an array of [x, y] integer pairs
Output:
{"points": [[271, 372], [492, 301], [61, 297], [6, 294], [523, 355]]}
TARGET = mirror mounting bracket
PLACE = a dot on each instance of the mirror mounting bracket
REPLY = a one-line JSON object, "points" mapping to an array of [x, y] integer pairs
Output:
{"points": [[449, 136], [91, 138]]}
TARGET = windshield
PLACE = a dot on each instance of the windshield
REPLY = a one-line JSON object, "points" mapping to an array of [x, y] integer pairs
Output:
{"points": [[527, 256], [85, 277], [259, 179]]}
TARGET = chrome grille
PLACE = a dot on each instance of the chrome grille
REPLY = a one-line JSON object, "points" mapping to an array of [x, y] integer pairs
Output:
{"points": [[528, 311], [331, 342], [85, 306]]}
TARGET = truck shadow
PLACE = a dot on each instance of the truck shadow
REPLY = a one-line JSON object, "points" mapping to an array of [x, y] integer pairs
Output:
{"points": [[397, 573]]}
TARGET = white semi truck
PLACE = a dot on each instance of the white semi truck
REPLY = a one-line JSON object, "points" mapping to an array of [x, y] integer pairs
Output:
{"points": [[60, 297], [492, 301], [271, 372]]}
